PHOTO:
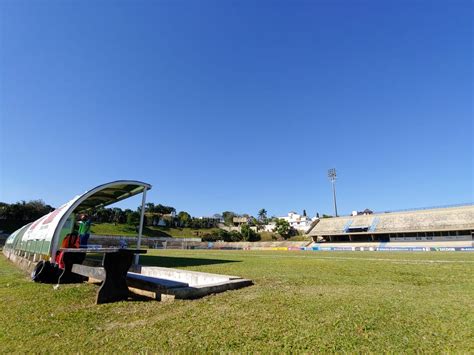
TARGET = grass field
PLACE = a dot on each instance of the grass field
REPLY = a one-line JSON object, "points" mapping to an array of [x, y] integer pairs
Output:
{"points": [[301, 301]]}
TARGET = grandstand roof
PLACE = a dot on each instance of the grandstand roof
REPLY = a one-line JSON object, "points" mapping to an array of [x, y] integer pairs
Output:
{"points": [[441, 219]]}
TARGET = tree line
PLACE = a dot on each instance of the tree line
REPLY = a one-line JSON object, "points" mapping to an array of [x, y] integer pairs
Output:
{"points": [[16, 215]]}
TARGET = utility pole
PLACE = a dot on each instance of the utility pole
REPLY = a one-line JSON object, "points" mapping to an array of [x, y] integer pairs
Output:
{"points": [[332, 178]]}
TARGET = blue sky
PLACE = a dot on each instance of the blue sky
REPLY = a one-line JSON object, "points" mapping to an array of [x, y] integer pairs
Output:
{"points": [[239, 105]]}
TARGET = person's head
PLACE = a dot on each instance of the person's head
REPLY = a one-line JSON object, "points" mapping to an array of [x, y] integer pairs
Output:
{"points": [[84, 217]]}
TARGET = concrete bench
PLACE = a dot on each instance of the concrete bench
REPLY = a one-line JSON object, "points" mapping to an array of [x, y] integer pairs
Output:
{"points": [[116, 262], [162, 284], [155, 286]]}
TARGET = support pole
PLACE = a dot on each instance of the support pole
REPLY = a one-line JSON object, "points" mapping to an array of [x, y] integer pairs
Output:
{"points": [[334, 195], [332, 177], [140, 229]]}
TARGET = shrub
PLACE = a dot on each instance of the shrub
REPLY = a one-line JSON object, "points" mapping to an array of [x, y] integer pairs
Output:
{"points": [[217, 235], [235, 236], [249, 234]]}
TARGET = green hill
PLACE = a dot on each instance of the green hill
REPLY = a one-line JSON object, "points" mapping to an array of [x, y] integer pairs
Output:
{"points": [[149, 231]]}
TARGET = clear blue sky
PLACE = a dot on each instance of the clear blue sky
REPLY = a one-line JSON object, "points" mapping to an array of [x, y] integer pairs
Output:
{"points": [[239, 105]]}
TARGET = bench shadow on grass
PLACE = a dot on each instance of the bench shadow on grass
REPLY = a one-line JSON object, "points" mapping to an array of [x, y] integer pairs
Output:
{"points": [[170, 261]]}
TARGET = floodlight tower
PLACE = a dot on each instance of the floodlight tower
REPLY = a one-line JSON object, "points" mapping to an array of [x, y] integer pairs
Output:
{"points": [[332, 178]]}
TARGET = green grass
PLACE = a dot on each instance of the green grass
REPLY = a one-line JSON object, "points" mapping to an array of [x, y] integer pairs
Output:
{"points": [[149, 231], [301, 302], [300, 238], [267, 236], [271, 237]]}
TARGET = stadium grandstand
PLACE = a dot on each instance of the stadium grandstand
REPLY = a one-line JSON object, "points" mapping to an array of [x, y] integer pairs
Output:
{"points": [[430, 225]]}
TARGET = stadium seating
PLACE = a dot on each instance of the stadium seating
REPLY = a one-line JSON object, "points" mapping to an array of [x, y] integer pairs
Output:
{"points": [[430, 220]]}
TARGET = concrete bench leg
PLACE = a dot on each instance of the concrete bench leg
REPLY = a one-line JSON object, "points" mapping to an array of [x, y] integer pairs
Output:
{"points": [[114, 288], [69, 260]]}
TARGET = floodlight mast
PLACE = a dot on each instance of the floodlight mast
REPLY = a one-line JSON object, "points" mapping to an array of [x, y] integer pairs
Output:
{"points": [[332, 178]]}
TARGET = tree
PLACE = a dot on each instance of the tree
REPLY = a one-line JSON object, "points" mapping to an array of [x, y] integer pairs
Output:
{"points": [[198, 223], [103, 215], [228, 217], [150, 207], [163, 209], [118, 216], [252, 221], [184, 219], [282, 227], [16, 215], [133, 218], [262, 215]]}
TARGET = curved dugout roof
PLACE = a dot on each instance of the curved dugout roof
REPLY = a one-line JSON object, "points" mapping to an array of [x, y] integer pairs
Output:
{"points": [[42, 236], [110, 193]]}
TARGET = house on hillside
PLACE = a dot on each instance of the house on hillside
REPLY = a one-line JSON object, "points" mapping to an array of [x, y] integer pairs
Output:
{"points": [[238, 221], [298, 221], [269, 227]]}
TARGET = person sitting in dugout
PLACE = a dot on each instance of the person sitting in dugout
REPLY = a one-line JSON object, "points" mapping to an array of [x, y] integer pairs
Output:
{"points": [[71, 240]]}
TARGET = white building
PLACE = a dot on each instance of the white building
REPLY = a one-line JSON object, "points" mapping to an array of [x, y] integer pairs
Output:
{"points": [[298, 221], [270, 227]]}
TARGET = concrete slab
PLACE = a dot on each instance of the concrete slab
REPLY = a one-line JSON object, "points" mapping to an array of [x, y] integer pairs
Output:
{"points": [[166, 284]]}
